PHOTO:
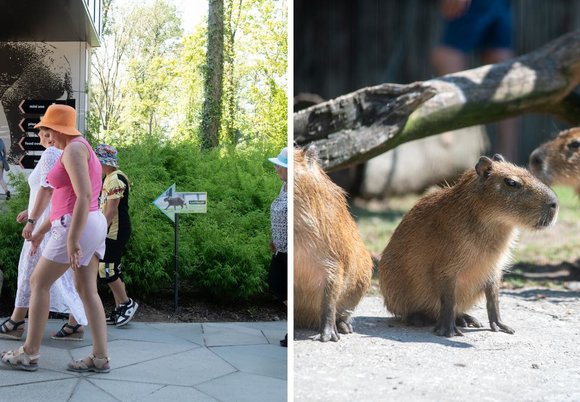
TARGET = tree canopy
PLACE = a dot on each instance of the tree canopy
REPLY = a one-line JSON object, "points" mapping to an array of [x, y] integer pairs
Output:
{"points": [[148, 76]]}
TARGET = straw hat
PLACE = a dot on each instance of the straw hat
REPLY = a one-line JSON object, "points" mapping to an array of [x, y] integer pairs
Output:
{"points": [[281, 159], [61, 118]]}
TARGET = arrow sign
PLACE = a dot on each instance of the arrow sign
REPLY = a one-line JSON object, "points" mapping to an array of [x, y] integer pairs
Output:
{"points": [[162, 205], [171, 202], [31, 143], [28, 124], [38, 106], [29, 161]]}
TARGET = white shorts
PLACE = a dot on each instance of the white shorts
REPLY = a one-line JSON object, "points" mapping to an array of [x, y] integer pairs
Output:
{"points": [[92, 239]]}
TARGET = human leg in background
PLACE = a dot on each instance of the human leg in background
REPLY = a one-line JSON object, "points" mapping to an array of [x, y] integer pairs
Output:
{"points": [[507, 138], [87, 286], [278, 281], [44, 275]]}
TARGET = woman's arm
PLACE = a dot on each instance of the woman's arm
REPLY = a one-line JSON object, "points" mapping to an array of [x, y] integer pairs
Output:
{"points": [[37, 237], [40, 204], [111, 209], [76, 162]]}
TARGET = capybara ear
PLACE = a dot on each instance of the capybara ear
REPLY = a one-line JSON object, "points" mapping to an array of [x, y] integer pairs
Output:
{"points": [[311, 155], [483, 167], [498, 158]]}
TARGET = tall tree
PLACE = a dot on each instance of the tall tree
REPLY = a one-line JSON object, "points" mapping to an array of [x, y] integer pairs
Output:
{"points": [[232, 19], [212, 111], [107, 94]]}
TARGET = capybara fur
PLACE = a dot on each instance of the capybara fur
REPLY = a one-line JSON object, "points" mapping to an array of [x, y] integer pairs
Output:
{"points": [[451, 248], [332, 267], [558, 161]]}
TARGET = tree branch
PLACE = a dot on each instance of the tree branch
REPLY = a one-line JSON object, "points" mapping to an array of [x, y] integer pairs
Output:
{"points": [[358, 126]]}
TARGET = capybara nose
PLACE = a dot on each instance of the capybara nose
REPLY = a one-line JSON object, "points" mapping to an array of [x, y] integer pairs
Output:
{"points": [[553, 202], [536, 159]]}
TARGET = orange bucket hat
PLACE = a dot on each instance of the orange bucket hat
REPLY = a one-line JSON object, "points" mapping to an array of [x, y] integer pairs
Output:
{"points": [[61, 118]]}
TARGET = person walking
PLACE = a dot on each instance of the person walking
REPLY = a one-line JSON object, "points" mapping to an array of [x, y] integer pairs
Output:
{"points": [[278, 272], [114, 204], [4, 167], [78, 231], [63, 294], [485, 26]]}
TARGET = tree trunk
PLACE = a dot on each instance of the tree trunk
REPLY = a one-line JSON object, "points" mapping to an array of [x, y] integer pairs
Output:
{"points": [[358, 126], [212, 110]]}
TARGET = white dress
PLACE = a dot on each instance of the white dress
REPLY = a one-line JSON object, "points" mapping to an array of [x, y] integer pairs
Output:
{"points": [[64, 297]]}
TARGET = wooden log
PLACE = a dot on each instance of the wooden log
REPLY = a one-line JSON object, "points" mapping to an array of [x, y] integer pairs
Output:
{"points": [[358, 126]]}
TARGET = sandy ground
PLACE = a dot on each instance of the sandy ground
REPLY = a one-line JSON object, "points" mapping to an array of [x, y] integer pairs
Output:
{"points": [[388, 361]]}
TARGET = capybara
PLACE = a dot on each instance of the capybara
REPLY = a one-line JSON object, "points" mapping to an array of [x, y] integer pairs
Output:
{"points": [[174, 202], [558, 161], [451, 248], [332, 267]]}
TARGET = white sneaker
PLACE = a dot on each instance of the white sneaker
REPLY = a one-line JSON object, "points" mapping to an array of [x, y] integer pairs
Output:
{"points": [[125, 312]]}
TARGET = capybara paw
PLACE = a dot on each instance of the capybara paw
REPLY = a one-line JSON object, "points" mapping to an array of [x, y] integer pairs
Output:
{"points": [[499, 326], [328, 333], [344, 327], [465, 320], [447, 330], [419, 320]]}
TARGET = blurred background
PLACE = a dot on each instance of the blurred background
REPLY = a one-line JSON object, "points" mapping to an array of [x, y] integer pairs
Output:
{"points": [[343, 45]]}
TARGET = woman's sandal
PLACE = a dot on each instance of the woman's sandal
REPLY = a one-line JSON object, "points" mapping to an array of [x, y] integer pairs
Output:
{"points": [[20, 360], [74, 335], [14, 333], [96, 364]]}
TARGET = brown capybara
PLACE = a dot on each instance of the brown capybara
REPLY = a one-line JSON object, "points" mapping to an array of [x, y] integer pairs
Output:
{"points": [[451, 248], [332, 267], [558, 161]]}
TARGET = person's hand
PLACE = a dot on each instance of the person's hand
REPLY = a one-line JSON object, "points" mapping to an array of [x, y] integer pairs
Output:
{"points": [[74, 253], [27, 231], [22, 216], [452, 9], [272, 246], [35, 241]]}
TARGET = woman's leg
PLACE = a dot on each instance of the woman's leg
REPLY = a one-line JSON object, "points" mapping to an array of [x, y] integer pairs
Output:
{"points": [[44, 275], [85, 278]]}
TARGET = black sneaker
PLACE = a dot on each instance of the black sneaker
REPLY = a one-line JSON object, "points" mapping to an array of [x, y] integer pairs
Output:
{"points": [[112, 318], [7, 195], [125, 312]]}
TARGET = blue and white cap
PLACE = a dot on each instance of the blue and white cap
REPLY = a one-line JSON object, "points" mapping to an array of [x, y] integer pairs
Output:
{"points": [[281, 159]]}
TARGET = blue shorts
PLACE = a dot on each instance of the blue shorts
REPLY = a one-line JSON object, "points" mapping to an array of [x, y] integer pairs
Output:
{"points": [[487, 24]]}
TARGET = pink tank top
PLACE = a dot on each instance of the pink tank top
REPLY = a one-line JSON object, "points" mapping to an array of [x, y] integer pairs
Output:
{"points": [[63, 196]]}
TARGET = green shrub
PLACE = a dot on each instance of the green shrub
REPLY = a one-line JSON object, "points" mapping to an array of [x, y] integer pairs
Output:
{"points": [[11, 240], [223, 254]]}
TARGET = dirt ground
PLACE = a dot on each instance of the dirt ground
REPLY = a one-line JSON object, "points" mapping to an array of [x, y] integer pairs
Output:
{"points": [[385, 360], [192, 310]]}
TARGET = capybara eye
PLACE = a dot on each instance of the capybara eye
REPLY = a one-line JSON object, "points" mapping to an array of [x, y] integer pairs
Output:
{"points": [[574, 144], [512, 183]]}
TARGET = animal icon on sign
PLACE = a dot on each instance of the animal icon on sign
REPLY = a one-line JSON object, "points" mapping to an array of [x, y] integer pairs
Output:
{"points": [[174, 202]]}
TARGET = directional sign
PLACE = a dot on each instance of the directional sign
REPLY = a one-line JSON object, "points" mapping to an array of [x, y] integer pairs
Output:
{"points": [[38, 106], [28, 124], [161, 204], [30, 143], [29, 161], [171, 202]]}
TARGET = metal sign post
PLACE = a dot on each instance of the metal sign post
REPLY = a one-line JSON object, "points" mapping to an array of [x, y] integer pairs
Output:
{"points": [[172, 203], [176, 263]]}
